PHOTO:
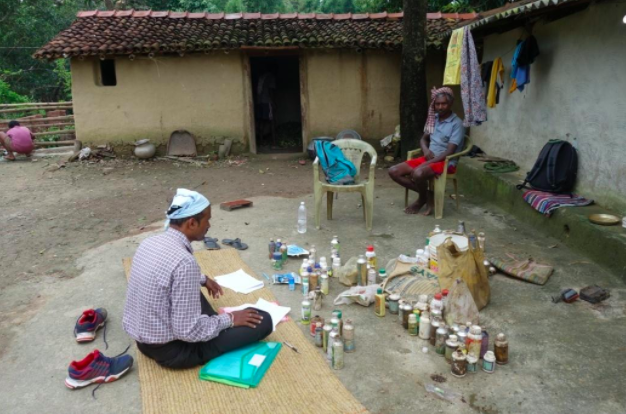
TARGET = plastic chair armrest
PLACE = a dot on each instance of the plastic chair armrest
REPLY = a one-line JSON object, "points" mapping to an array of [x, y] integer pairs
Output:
{"points": [[413, 154], [372, 172]]}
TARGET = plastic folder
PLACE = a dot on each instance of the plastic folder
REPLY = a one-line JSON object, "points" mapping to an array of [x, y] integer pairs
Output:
{"points": [[244, 367]]}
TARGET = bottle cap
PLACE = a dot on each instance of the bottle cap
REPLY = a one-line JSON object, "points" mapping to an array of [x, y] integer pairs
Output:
{"points": [[419, 252], [379, 291], [382, 272], [489, 356], [438, 296], [394, 297], [318, 324], [501, 337], [370, 248], [422, 298], [445, 292], [301, 203], [475, 330]]}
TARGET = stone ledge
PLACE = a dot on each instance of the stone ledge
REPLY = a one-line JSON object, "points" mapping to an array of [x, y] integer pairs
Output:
{"points": [[605, 245]]}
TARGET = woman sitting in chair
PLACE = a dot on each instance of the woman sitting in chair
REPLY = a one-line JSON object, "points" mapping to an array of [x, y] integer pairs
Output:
{"points": [[443, 136]]}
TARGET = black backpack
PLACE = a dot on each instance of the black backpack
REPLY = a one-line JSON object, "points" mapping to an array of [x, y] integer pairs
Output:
{"points": [[555, 170]]}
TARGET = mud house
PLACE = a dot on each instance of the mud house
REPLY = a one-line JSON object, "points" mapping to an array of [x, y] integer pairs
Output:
{"points": [[145, 74]]}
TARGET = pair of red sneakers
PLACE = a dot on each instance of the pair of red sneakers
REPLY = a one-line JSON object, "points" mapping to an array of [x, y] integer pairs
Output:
{"points": [[95, 367]]}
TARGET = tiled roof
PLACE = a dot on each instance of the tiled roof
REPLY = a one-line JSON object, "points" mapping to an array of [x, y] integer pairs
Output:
{"points": [[129, 32], [508, 11]]}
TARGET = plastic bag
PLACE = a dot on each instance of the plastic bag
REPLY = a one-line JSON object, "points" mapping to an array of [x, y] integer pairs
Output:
{"points": [[348, 272], [461, 307], [363, 295], [468, 265]]}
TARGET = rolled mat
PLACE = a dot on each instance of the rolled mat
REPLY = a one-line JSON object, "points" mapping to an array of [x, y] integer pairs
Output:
{"points": [[295, 383]]}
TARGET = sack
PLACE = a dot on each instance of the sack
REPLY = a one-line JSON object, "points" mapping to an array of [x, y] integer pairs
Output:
{"points": [[410, 280], [337, 168], [461, 307], [467, 265], [452, 72], [347, 273], [555, 170], [363, 295], [527, 270]]}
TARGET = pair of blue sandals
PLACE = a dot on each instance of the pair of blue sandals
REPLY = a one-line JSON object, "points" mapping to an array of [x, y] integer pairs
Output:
{"points": [[211, 243]]}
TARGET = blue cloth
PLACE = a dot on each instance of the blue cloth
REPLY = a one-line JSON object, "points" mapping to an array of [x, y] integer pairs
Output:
{"points": [[522, 76], [448, 131], [337, 168], [189, 202], [521, 73]]}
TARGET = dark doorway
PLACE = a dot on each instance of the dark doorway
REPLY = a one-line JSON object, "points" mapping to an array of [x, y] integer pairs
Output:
{"points": [[276, 94]]}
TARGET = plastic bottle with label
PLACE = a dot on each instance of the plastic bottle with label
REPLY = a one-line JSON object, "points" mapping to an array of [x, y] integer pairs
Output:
{"points": [[370, 255]]}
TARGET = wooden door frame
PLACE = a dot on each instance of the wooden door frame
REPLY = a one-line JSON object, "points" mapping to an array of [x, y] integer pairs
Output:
{"points": [[249, 93]]}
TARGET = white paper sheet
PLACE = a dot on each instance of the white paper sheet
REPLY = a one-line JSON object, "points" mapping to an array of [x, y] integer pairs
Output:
{"points": [[239, 281], [276, 312]]}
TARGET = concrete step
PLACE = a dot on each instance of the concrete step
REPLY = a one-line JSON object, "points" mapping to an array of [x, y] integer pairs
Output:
{"points": [[605, 245]]}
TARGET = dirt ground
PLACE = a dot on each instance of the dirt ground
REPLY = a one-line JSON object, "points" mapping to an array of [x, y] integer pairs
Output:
{"points": [[51, 215]]}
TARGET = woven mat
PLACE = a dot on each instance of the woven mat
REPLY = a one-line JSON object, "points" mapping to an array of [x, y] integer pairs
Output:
{"points": [[295, 383]]}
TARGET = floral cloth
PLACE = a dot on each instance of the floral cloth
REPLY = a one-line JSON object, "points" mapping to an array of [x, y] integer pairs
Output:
{"points": [[472, 92]]}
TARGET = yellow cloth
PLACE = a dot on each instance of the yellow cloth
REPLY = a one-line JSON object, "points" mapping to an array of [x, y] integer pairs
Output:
{"points": [[513, 86], [452, 73], [496, 69]]}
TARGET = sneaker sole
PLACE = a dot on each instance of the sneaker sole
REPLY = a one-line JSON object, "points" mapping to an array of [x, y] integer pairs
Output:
{"points": [[73, 384], [89, 336]]}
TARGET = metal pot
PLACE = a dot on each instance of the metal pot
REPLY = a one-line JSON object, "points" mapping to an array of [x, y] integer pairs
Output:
{"points": [[144, 149]]}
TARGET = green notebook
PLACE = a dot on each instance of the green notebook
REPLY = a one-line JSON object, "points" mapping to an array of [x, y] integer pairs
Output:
{"points": [[244, 367]]}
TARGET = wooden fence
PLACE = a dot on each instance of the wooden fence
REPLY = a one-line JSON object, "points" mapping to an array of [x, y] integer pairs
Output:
{"points": [[51, 123]]}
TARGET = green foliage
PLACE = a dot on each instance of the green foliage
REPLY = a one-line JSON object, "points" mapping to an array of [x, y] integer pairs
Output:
{"points": [[62, 70], [7, 95], [234, 6]]}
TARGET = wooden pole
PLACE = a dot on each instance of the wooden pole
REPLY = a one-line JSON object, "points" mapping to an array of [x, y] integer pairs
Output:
{"points": [[59, 132], [29, 109], [36, 120], [7, 106], [413, 91], [52, 143]]}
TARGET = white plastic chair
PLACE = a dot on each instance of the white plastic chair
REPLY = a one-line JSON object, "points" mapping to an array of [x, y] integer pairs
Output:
{"points": [[353, 150]]}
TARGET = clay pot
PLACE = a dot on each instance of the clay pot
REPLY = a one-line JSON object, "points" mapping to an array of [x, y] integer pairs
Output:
{"points": [[144, 149]]}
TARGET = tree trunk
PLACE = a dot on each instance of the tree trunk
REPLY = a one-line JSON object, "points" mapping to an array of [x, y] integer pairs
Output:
{"points": [[413, 93]]}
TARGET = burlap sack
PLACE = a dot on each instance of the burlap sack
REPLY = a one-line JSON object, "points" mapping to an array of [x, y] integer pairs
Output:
{"points": [[467, 265], [410, 280]]}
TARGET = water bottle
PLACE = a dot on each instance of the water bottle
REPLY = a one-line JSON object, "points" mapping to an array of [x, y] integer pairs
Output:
{"points": [[302, 218]]}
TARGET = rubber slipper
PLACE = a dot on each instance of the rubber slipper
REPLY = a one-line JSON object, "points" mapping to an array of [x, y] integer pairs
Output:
{"points": [[211, 243], [236, 243]]}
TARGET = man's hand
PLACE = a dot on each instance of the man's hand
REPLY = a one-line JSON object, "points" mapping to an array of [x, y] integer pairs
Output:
{"points": [[429, 154], [215, 290], [247, 317]]}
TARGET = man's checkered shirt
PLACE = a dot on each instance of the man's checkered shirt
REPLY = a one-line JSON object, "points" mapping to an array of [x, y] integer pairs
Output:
{"points": [[163, 299]]}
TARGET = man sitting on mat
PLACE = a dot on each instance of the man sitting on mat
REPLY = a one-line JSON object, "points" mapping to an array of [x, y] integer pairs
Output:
{"points": [[165, 312], [18, 139], [443, 136]]}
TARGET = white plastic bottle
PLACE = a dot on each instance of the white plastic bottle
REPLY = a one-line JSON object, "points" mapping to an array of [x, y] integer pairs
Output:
{"points": [[371, 275], [436, 303], [302, 218]]}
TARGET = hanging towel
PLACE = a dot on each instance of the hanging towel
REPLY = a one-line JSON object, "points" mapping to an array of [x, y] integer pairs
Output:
{"points": [[546, 203], [472, 92], [513, 87], [494, 86], [452, 72]]}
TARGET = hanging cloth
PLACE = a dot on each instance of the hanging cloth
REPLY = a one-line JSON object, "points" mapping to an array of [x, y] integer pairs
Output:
{"points": [[494, 87], [472, 92], [452, 72], [513, 87], [528, 52]]}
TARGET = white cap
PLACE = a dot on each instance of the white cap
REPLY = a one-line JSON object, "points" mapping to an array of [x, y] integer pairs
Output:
{"points": [[419, 252], [301, 203]]}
